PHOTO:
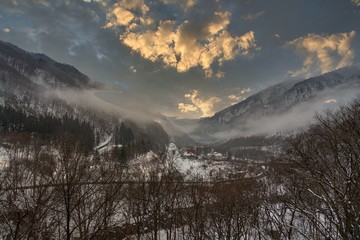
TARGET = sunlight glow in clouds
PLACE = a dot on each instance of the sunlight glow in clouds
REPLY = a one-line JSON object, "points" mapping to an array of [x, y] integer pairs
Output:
{"points": [[205, 106], [234, 99], [180, 45], [208, 106], [325, 52], [356, 2]]}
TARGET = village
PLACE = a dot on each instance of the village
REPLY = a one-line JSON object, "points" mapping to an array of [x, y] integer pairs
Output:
{"points": [[205, 163], [203, 153]]}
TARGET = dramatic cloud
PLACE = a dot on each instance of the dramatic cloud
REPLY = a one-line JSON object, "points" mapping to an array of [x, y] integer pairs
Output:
{"points": [[197, 104], [356, 2], [236, 98], [119, 16], [252, 16], [6, 30], [208, 106], [164, 37], [325, 52], [179, 44]]}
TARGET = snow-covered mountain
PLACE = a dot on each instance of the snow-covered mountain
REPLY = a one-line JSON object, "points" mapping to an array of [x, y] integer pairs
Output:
{"points": [[282, 107], [26, 79], [39, 68], [35, 85]]}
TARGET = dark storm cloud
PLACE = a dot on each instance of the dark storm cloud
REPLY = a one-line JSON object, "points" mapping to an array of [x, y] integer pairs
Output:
{"points": [[73, 32]]}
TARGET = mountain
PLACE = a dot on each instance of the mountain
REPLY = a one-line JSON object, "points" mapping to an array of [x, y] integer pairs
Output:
{"points": [[37, 85], [39, 67], [37, 89], [177, 134], [282, 107]]}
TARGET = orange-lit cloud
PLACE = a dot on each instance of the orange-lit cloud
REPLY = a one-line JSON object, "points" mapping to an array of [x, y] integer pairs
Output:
{"points": [[326, 52], [198, 104], [180, 45], [122, 13], [356, 2], [135, 5], [119, 16], [208, 106], [236, 98]]}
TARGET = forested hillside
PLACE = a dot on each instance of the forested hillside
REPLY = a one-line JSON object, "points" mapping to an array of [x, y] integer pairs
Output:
{"points": [[61, 191]]}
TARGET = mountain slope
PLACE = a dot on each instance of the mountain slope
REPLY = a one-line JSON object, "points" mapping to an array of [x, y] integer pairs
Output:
{"points": [[40, 68], [34, 85], [311, 94]]}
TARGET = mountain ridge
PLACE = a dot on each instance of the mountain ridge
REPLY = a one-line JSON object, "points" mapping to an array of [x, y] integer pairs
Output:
{"points": [[33, 84], [38, 65], [279, 99]]}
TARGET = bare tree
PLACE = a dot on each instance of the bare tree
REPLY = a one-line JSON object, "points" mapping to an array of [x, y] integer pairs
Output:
{"points": [[88, 196], [324, 185], [25, 207]]}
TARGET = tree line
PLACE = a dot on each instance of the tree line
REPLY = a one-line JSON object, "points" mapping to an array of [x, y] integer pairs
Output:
{"points": [[311, 191], [46, 126]]}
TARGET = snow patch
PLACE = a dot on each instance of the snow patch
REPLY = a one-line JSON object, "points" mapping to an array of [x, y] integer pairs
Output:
{"points": [[3, 157]]}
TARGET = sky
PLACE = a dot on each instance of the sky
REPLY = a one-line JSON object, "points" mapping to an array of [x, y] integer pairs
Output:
{"points": [[188, 58]]}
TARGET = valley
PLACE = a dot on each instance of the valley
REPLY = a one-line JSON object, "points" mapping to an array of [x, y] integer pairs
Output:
{"points": [[76, 166]]}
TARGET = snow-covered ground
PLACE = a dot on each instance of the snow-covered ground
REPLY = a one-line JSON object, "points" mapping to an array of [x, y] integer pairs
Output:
{"points": [[203, 169], [191, 167], [143, 165], [3, 157], [104, 143], [195, 168]]}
